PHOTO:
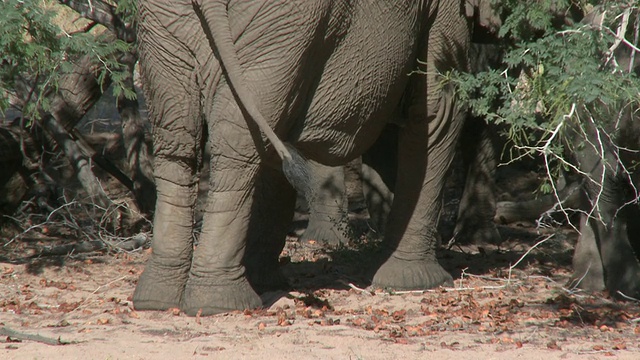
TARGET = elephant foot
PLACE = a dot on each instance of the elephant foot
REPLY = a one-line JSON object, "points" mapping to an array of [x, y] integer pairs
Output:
{"points": [[626, 284], [399, 274], [160, 287], [589, 278], [205, 298], [332, 232]]}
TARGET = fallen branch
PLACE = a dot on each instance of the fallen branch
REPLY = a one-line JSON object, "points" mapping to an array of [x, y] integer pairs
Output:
{"points": [[352, 286], [12, 334], [128, 245]]}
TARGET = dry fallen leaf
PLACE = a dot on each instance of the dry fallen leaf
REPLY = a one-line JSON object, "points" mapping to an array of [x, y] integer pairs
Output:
{"points": [[174, 311], [399, 315], [620, 346], [552, 345]]}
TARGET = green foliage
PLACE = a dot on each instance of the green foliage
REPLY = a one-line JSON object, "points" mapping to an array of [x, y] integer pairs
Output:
{"points": [[526, 20], [127, 10], [557, 69], [35, 51]]}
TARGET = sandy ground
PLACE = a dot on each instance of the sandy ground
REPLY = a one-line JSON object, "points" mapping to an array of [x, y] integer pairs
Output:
{"points": [[83, 306]]}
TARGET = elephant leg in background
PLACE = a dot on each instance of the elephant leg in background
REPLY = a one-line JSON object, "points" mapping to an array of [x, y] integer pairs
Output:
{"points": [[354, 187], [378, 197], [177, 132], [379, 171], [359, 216], [328, 217], [608, 222], [477, 208], [337, 192], [425, 152], [587, 265], [632, 212]]}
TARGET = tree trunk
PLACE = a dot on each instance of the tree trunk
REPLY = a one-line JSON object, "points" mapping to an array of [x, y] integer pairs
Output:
{"points": [[13, 183], [77, 92], [139, 161], [137, 149]]}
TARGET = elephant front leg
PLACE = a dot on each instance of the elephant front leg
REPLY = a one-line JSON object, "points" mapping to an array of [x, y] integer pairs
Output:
{"points": [[478, 204], [336, 190], [426, 146], [411, 233]]}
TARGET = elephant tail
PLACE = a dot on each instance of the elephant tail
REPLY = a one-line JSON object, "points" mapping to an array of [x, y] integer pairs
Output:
{"points": [[214, 17]]}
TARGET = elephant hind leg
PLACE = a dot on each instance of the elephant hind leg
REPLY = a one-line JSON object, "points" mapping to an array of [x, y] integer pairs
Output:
{"points": [[272, 210], [217, 280], [245, 222], [425, 152], [173, 97], [245, 219]]}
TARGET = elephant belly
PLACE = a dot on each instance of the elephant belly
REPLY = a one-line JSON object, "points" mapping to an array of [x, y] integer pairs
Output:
{"points": [[360, 88]]}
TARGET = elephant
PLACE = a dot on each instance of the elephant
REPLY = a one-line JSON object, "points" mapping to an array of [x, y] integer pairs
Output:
{"points": [[363, 188], [324, 76], [608, 249], [366, 186], [339, 211], [607, 253]]}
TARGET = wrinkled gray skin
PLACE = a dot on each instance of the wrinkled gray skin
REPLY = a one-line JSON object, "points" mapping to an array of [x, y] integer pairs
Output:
{"points": [[325, 76], [479, 146], [606, 255], [608, 249], [371, 181]]}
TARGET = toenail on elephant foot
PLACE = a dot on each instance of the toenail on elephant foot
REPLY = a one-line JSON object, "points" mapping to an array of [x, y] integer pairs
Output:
{"points": [[402, 274], [200, 296], [160, 288]]}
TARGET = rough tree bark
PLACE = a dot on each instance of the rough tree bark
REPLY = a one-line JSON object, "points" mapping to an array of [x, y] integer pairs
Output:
{"points": [[78, 90], [13, 183], [133, 127]]}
